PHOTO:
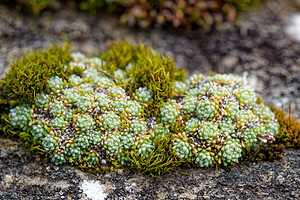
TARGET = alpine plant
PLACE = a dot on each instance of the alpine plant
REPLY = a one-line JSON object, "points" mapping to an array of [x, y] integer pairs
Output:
{"points": [[91, 117]]}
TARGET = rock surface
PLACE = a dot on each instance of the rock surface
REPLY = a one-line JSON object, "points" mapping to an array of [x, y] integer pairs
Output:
{"points": [[258, 46], [24, 177]]}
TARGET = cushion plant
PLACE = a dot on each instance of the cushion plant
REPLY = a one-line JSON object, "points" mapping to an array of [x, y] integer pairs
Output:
{"points": [[151, 122]]}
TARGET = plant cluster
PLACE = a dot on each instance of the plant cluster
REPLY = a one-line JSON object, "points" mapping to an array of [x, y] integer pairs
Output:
{"points": [[202, 121], [180, 13], [33, 72], [118, 118], [144, 13]]}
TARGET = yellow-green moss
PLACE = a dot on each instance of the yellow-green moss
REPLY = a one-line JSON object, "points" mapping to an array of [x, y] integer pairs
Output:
{"points": [[148, 69], [29, 75], [162, 159], [122, 53], [245, 4], [289, 133], [85, 166]]}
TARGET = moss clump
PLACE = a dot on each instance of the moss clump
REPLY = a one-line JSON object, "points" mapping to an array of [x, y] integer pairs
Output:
{"points": [[87, 124], [161, 159], [29, 76], [123, 55], [289, 129], [145, 71]]}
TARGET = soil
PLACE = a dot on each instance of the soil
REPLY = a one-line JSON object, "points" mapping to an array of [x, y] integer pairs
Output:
{"points": [[257, 48]]}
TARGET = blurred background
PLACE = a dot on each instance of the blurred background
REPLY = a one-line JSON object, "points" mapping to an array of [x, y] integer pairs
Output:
{"points": [[259, 39]]}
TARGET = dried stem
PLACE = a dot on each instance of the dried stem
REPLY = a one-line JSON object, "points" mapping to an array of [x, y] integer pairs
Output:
{"points": [[108, 74]]}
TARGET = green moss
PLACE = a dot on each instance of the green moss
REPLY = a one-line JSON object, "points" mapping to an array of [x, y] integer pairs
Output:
{"points": [[147, 69], [158, 74], [246, 4], [28, 76], [162, 159], [121, 54], [289, 133], [92, 6], [84, 165]]}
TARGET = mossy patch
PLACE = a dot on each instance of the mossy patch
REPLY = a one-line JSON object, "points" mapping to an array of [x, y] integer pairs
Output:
{"points": [[289, 133], [28, 76], [142, 67], [161, 160]]}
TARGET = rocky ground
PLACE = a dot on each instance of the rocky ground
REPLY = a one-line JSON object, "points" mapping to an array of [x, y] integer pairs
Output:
{"points": [[258, 46], [24, 177]]}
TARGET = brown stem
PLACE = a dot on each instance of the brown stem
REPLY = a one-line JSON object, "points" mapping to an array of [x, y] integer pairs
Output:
{"points": [[108, 74]]}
